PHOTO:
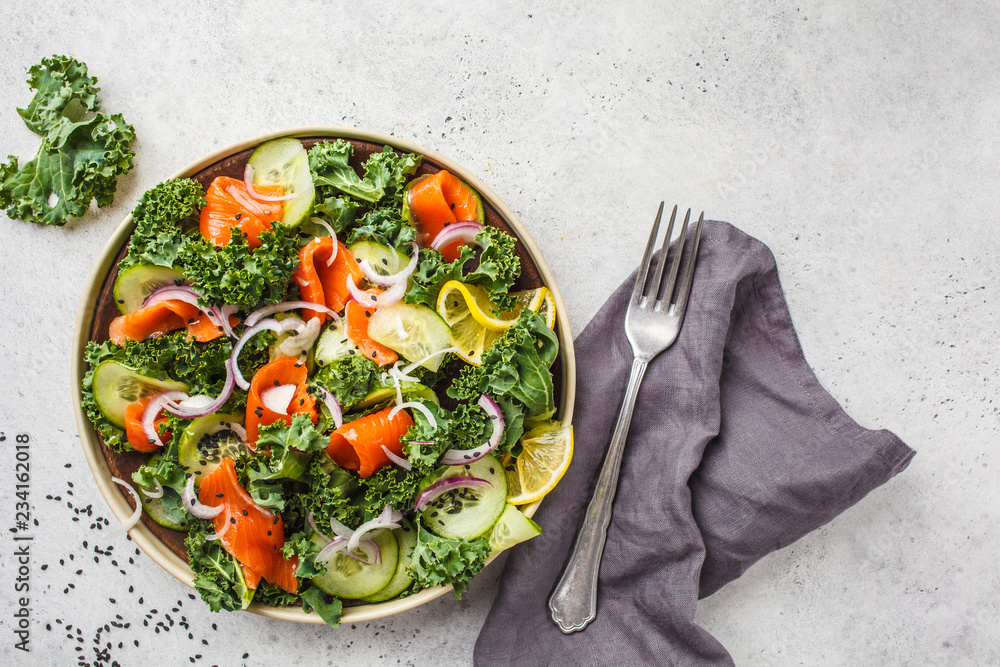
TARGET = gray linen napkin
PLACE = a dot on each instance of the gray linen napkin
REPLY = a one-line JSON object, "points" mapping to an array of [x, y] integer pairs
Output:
{"points": [[735, 450]]}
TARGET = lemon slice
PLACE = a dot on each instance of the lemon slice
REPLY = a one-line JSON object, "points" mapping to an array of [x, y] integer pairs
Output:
{"points": [[456, 297], [544, 459]]}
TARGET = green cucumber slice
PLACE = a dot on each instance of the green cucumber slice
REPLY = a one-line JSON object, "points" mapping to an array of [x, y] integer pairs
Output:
{"points": [[414, 331], [285, 162], [206, 441], [406, 537], [135, 284], [512, 528], [116, 387], [466, 514], [333, 344], [347, 578], [153, 507], [409, 390], [383, 259]]}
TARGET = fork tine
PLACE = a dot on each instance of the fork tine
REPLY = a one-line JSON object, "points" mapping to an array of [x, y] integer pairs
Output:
{"points": [[668, 289], [640, 278], [662, 263], [685, 291]]}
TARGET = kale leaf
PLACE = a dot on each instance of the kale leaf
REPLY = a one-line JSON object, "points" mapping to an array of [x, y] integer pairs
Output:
{"points": [[164, 222], [218, 577], [83, 150], [329, 163], [349, 379], [439, 560]]}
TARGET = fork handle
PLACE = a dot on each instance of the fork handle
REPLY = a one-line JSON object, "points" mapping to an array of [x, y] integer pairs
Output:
{"points": [[574, 601]]}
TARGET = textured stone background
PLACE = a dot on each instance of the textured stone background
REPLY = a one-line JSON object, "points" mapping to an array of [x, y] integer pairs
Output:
{"points": [[858, 139]]}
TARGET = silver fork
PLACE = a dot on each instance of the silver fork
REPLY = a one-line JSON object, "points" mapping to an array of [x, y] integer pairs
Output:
{"points": [[652, 322]]}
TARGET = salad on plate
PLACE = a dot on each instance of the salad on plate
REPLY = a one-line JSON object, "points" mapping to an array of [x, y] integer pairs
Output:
{"points": [[336, 389]]}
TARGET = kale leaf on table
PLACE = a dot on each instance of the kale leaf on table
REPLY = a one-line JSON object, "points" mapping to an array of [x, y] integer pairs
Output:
{"points": [[83, 150]]}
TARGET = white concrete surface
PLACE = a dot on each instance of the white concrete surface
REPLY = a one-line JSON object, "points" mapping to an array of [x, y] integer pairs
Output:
{"points": [[857, 138]]}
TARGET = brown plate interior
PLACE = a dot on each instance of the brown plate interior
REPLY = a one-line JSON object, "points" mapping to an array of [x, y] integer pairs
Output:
{"points": [[122, 465]]}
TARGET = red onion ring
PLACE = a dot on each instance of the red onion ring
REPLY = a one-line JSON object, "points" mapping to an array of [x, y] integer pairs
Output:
{"points": [[443, 486], [129, 523], [276, 399], [398, 460], [465, 230], [218, 535], [457, 457], [389, 518], [156, 492], [248, 183], [218, 402], [330, 401], [339, 544], [386, 298], [257, 315], [415, 405], [269, 324], [404, 372], [400, 276], [159, 402], [333, 235], [216, 315], [191, 503]]}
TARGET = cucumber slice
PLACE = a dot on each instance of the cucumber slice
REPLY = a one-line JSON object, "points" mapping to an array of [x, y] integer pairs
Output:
{"points": [[133, 285], [408, 389], [347, 578], [333, 344], [383, 259], [116, 387], [406, 537], [467, 514], [285, 162], [414, 331], [153, 508], [512, 528], [206, 441]]}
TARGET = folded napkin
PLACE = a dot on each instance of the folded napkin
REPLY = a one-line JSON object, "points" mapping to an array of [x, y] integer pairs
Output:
{"points": [[735, 450]]}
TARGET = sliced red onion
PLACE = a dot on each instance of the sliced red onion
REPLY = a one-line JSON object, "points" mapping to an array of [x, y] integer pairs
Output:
{"points": [[239, 430], [259, 314], [333, 235], [253, 330], [276, 399], [330, 401], [339, 544], [423, 361], [311, 522], [398, 460], [218, 535], [159, 402], [457, 457], [216, 315], [386, 298], [400, 376], [415, 405], [191, 503], [443, 486], [218, 402], [129, 523], [195, 402], [155, 492], [339, 529], [389, 518], [248, 183], [400, 276], [302, 339], [457, 231]]}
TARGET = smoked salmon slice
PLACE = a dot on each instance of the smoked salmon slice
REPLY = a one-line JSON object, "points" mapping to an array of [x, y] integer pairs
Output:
{"points": [[161, 318], [323, 283], [357, 445], [229, 205], [281, 371], [133, 426], [438, 201], [356, 317], [252, 534]]}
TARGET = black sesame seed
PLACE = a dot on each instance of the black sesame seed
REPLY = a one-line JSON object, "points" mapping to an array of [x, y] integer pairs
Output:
{"points": [[232, 519]]}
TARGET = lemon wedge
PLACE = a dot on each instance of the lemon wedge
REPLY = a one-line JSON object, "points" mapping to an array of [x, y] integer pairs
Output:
{"points": [[544, 459]]}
